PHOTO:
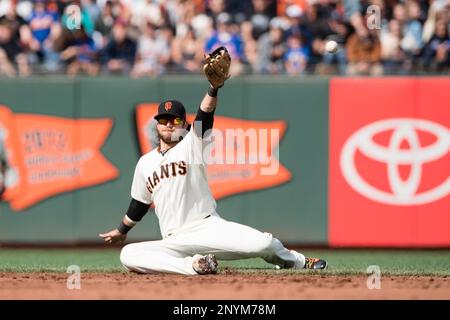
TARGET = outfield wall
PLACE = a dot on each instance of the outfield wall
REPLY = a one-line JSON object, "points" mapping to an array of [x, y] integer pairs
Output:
{"points": [[74, 145]]}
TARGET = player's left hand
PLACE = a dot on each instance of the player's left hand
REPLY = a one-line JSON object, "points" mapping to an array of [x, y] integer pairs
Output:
{"points": [[113, 236]]}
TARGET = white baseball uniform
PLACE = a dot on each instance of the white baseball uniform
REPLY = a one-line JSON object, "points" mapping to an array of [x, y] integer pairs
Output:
{"points": [[176, 182]]}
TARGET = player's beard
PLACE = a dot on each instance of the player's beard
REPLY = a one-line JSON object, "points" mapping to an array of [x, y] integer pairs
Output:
{"points": [[166, 139], [172, 137]]}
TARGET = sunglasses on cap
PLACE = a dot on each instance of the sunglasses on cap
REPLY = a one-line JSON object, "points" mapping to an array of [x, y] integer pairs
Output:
{"points": [[175, 121]]}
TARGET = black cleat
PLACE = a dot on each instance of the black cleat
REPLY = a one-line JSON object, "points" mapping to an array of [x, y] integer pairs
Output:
{"points": [[315, 263]]}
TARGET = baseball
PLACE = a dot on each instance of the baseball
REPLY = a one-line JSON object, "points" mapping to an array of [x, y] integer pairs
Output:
{"points": [[331, 46]]}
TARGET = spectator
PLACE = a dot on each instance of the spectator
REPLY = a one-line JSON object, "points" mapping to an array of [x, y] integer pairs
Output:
{"points": [[153, 53], [17, 24], [436, 57], [326, 23], [411, 28], [41, 23], [394, 58], [250, 56], [14, 40], [260, 17], [271, 51], [299, 26], [122, 11], [214, 9], [436, 12], [224, 36], [119, 54], [353, 11], [187, 52], [151, 11], [8, 50], [104, 23], [364, 54], [203, 26], [296, 57], [44, 29], [81, 54], [181, 16]]}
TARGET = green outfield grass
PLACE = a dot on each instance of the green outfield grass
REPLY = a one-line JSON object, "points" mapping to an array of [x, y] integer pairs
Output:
{"points": [[342, 262]]}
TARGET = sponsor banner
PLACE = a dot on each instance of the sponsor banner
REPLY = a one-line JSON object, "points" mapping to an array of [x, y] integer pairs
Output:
{"points": [[48, 155], [389, 162], [244, 156]]}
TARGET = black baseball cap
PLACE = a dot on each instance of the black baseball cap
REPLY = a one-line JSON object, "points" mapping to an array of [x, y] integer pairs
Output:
{"points": [[171, 108]]}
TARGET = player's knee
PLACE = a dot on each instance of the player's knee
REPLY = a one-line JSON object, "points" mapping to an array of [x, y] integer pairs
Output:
{"points": [[126, 254], [267, 242], [263, 244]]}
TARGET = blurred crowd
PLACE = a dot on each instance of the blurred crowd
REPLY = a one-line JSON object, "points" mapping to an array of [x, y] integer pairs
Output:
{"points": [[152, 37]]}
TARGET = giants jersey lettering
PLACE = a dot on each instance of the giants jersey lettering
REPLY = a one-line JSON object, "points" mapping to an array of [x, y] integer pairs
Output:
{"points": [[176, 183], [166, 171]]}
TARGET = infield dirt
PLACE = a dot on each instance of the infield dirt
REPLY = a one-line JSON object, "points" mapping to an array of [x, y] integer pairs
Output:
{"points": [[223, 286]]}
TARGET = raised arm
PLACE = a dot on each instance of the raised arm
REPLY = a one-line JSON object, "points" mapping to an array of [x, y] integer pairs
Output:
{"points": [[209, 101], [205, 113], [216, 68]]}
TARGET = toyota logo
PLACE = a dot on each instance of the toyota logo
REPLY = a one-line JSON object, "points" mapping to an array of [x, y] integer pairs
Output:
{"points": [[403, 192]]}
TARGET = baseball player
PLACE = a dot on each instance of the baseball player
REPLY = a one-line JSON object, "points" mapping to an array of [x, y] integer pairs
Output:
{"points": [[173, 178]]}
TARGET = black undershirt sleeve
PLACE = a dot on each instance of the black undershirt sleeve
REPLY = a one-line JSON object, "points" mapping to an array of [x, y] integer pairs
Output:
{"points": [[137, 210], [206, 118]]}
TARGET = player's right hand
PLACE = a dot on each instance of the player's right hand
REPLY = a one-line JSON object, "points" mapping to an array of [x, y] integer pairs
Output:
{"points": [[114, 236]]}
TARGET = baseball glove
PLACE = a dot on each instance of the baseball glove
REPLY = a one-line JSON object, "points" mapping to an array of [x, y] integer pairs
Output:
{"points": [[216, 67]]}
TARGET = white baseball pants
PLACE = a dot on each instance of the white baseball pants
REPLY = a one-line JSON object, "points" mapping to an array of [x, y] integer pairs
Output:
{"points": [[226, 240]]}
